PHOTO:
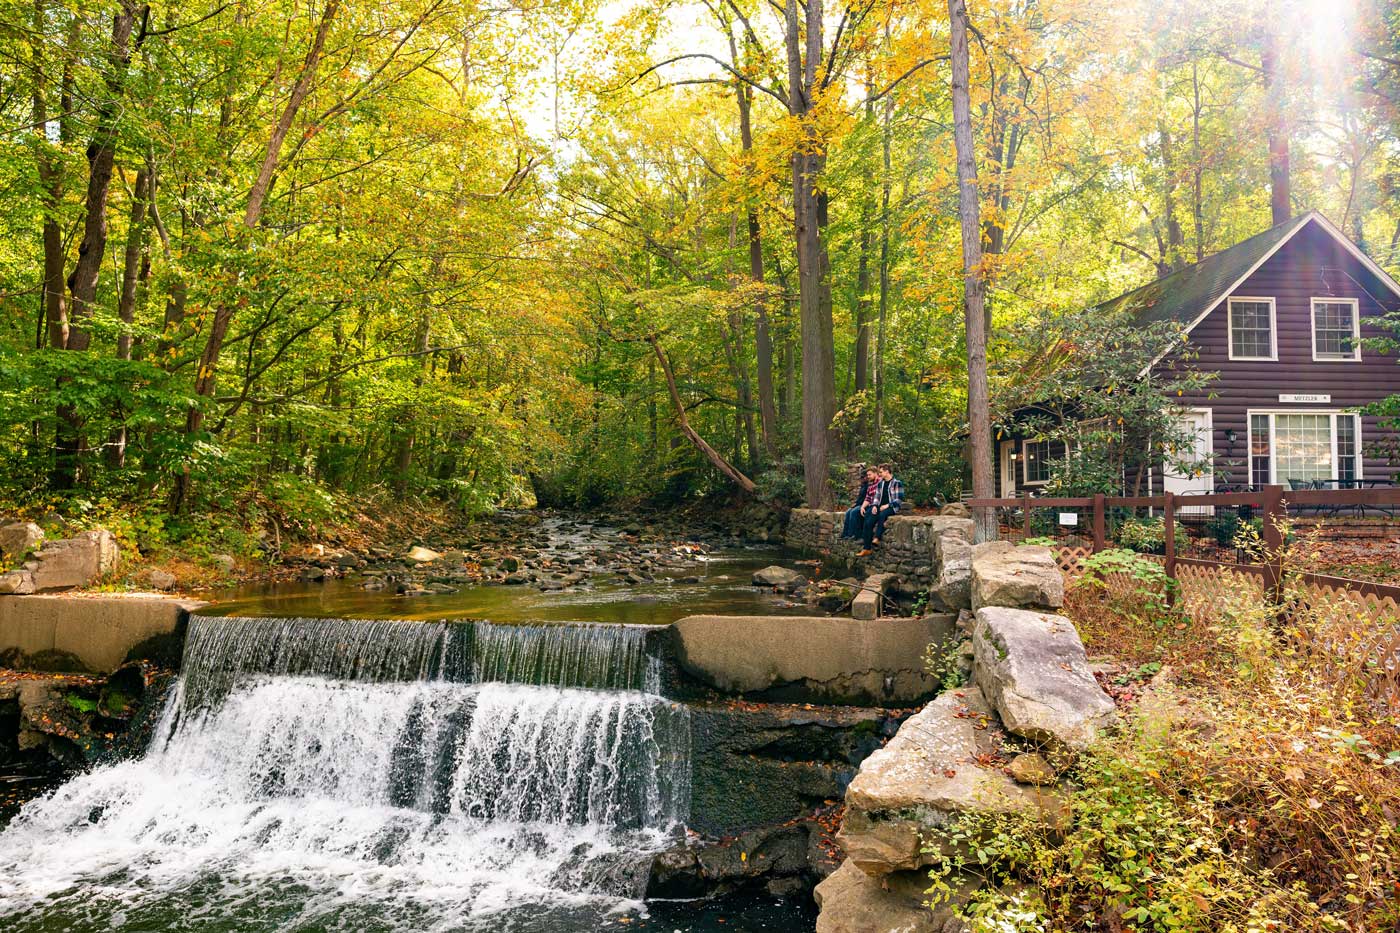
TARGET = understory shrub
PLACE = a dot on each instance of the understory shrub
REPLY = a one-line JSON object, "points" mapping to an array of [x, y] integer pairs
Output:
{"points": [[1149, 535], [1271, 792]]}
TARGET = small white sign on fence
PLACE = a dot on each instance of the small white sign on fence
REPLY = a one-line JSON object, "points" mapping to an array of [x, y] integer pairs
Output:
{"points": [[1069, 518]]}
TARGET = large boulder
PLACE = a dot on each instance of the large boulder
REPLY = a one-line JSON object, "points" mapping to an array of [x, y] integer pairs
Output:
{"points": [[927, 774], [422, 555], [1025, 576], [953, 584], [1032, 668], [18, 539], [780, 577], [75, 562], [853, 902], [812, 659]]}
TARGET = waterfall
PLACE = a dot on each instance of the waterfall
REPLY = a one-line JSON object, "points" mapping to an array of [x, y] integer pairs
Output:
{"points": [[579, 655], [352, 776]]}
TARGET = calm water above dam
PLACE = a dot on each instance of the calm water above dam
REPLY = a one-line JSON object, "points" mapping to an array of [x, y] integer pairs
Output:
{"points": [[723, 587]]}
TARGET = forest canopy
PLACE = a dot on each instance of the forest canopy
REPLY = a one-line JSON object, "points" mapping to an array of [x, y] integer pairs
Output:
{"points": [[274, 252]]}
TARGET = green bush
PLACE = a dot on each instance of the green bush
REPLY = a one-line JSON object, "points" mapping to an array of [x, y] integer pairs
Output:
{"points": [[1140, 843], [1149, 535]]}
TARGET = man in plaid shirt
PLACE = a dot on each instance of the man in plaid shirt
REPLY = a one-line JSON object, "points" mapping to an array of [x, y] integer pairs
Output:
{"points": [[889, 496]]}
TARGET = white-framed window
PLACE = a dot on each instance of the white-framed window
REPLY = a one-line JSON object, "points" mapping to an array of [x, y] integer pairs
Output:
{"points": [[1295, 448], [1336, 329], [1253, 330], [1037, 457]]}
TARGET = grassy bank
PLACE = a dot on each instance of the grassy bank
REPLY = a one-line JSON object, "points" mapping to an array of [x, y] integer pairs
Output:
{"points": [[1255, 784]]}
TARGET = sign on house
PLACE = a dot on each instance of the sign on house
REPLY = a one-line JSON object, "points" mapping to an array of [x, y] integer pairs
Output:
{"points": [[1305, 399]]}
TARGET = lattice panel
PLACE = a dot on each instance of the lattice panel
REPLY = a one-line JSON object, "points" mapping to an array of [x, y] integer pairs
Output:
{"points": [[1356, 635], [1071, 559], [1201, 591]]}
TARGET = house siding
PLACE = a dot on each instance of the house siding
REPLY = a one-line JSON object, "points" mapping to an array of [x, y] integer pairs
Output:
{"points": [[1311, 265]]}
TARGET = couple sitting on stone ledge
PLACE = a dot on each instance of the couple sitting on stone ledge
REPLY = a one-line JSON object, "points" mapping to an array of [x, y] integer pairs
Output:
{"points": [[880, 496]]}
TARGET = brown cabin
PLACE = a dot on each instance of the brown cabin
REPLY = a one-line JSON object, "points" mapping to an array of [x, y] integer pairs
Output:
{"points": [[1281, 318]]}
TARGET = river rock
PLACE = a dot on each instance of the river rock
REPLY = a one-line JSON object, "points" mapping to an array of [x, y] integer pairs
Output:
{"points": [[853, 902], [224, 562], [16, 583], [1006, 575], [926, 774], [77, 561], [1032, 668], [162, 580], [422, 555], [1031, 768], [18, 539], [780, 577]]}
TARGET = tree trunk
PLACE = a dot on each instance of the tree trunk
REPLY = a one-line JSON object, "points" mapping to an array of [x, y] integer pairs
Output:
{"points": [[1197, 170], [126, 301], [712, 455], [814, 286], [978, 403], [1176, 239], [69, 443], [252, 216], [763, 340], [886, 140], [1277, 129]]}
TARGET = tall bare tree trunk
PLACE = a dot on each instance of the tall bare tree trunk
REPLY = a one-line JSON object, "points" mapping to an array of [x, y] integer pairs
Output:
{"points": [[252, 215], [82, 282], [886, 141], [763, 340], [1197, 170], [804, 52], [1176, 238], [1277, 129], [132, 263], [978, 402]]}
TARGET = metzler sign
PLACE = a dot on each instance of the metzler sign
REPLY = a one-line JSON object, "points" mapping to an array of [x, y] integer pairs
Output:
{"points": [[1305, 399]]}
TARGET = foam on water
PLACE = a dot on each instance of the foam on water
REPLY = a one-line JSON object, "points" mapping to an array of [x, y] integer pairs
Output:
{"points": [[286, 801]]}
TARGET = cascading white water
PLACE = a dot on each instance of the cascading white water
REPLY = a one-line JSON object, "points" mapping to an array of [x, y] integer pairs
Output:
{"points": [[287, 801]]}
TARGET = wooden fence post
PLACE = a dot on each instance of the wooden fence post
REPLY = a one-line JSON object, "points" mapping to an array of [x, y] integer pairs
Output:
{"points": [[1169, 535], [1273, 544], [1099, 537], [1026, 512]]}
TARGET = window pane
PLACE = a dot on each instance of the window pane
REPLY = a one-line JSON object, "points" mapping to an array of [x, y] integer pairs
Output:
{"points": [[1259, 450], [1346, 447], [1037, 461], [1334, 326], [1303, 445], [1251, 330]]}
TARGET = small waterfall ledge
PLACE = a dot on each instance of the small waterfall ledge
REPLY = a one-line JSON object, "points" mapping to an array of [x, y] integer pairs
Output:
{"points": [[369, 768]]}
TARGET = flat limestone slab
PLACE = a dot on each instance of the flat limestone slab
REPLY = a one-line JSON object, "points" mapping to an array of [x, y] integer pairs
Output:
{"points": [[877, 662], [97, 630]]}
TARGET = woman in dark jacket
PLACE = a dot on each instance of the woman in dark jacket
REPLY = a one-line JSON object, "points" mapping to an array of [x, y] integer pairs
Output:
{"points": [[865, 502]]}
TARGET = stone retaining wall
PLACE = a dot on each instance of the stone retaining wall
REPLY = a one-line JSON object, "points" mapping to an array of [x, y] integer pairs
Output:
{"points": [[909, 548]]}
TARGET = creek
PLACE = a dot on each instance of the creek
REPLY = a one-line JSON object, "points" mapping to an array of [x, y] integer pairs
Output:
{"points": [[327, 761]]}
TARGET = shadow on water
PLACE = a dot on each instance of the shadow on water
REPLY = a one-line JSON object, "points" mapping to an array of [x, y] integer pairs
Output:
{"points": [[720, 585]]}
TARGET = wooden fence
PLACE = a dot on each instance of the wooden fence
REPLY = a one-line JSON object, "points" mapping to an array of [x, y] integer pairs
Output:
{"points": [[1349, 627], [1271, 505]]}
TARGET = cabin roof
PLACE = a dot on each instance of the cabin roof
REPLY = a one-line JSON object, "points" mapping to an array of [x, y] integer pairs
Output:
{"points": [[1183, 295]]}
